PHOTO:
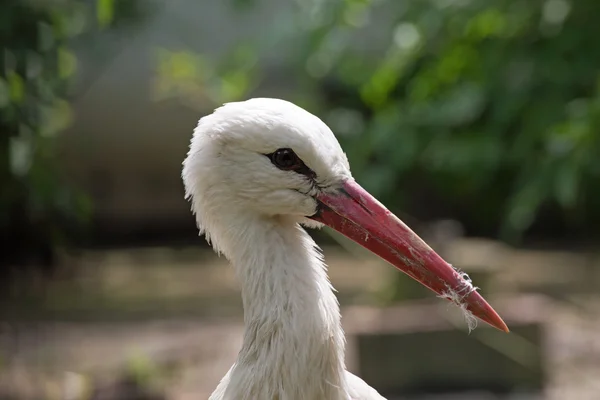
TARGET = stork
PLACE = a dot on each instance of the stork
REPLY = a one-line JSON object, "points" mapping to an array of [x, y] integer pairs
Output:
{"points": [[256, 173]]}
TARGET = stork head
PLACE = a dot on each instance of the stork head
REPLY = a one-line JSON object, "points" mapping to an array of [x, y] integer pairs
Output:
{"points": [[261, 156], [267, 158]]}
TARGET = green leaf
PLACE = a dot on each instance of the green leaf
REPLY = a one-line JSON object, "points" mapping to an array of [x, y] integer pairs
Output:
{"points": [[491, 22], [16, 87], [56, 118], [67, 63], [105, 11]]}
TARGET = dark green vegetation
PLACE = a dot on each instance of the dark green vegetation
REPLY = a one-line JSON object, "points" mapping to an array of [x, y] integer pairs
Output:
{"points": [[38, 211], [486, 111], [483, 111]]}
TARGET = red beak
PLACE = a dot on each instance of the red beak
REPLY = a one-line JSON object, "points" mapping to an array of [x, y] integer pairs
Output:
{"points": [[353, 212]]}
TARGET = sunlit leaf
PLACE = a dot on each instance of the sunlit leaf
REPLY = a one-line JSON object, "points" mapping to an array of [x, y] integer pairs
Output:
{"points": [[376, 91], [234, 86], [67, 63], [16, 87], [105, 10], [491, 22], [56, 118]]}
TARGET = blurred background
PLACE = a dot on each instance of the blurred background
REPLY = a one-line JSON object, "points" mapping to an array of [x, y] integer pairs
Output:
{"points": [[476, 122]]}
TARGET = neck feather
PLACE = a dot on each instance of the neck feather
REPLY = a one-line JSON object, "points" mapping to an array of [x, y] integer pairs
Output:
{"points": [[293, 343]]}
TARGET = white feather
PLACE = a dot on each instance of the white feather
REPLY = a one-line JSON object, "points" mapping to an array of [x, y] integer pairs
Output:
{"points": [[251, 212]]}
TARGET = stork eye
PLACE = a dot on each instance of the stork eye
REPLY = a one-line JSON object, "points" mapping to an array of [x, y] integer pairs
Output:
{"points": [[286, 159]]}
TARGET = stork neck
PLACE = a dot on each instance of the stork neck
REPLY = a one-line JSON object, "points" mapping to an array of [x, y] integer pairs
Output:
{"points": [[293, 343]]}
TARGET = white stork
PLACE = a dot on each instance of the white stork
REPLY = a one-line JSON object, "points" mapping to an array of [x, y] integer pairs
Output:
{"points": [[256, 172]]}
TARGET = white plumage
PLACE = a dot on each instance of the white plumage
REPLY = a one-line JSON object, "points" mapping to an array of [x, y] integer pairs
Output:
{"points": [[251, 210]]}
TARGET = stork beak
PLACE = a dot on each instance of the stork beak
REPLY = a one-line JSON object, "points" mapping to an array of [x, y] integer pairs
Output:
{"points": [[353, 212]]}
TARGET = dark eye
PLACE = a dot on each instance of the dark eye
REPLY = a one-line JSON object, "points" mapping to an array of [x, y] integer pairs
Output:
{"points": [[286, 159]]}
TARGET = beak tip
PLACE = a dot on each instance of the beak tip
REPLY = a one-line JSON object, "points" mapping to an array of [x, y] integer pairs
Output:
{"points": [[484, 311], [497, 322], [502, 327]]}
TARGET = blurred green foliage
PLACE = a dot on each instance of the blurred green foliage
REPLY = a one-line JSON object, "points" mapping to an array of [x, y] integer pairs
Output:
{"points": [[198, 79], [486, 111], [36, 68], [494, 106]]}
